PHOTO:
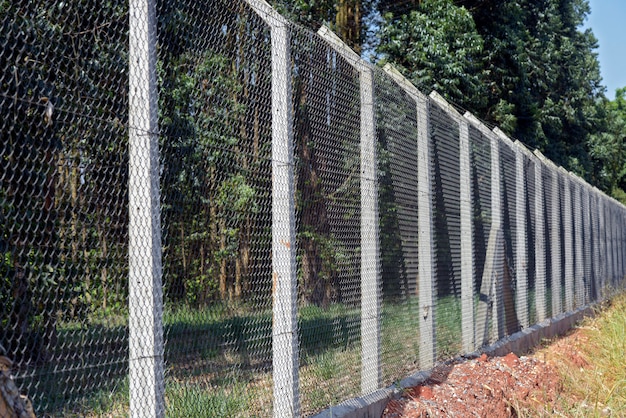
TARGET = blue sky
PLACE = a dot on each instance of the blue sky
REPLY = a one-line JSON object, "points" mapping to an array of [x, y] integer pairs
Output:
{"points": [[608, 22]]}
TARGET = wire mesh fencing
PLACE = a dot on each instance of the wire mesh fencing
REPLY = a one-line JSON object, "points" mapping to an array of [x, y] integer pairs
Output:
{"points": [[63, 199], [208, 210]]}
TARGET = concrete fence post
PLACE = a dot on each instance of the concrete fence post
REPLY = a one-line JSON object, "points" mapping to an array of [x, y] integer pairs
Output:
{"points": [[285, 357], [371, 377], [371, 373], [620, 211], [467, 250], [614, 250], [599, 244], [145, 299], [497, 304], [588, 241], [578, 220], [609, 242], [620, 234], [489, 310], [568, 241], [521, 256], [540, 250], [615, 229], [426, 256], [285, 347], [520, 245], [556, 270], [620, 244], [616, 243]]}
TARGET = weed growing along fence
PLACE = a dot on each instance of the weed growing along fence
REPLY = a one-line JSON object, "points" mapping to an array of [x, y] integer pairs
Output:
{"points": [[210, 211]]}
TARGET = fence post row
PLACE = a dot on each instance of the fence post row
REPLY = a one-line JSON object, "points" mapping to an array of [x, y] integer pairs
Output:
{"points": [[371, 376], [595, 225], [146, 376]]}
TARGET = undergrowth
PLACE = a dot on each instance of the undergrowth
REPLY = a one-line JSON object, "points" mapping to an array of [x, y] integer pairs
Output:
{"points": [[595, 386]]}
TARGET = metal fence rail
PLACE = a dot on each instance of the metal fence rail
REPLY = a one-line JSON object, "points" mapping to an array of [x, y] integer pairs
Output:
{"points": [[207, 210]]}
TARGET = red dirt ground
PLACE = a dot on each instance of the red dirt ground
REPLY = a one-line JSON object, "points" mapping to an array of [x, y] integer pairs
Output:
{"points": [[483, 387]]}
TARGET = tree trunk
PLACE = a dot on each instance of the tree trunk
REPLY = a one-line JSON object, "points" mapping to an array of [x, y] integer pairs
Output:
{"points": [[104, 255], [223, 277], [314, 226], [348, 23]]}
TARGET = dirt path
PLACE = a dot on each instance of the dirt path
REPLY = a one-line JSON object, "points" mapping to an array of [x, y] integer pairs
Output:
{"points": [[508, 386]]}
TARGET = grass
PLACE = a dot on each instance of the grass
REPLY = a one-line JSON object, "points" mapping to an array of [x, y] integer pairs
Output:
{"points": [[219, 359], [197, 400], [599, 388]]}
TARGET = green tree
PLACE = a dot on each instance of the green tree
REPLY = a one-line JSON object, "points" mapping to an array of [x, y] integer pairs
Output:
{"points": [[215, 145], [437, 46], [608, 147], [541, 74], [61, 147], [347, 18]]}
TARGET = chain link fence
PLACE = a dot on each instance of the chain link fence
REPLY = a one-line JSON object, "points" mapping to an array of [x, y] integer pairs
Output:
{"points": [[207, 210], [63, 200]]}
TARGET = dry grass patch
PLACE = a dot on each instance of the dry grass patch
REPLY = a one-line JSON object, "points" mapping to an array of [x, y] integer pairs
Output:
{"points": [[592, 364]]}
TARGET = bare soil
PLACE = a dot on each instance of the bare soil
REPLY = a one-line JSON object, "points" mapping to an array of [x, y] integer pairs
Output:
{"points": [[507, 386]]}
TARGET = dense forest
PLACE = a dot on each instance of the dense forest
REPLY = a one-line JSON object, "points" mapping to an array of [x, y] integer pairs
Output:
{"points": [[526, 66]]}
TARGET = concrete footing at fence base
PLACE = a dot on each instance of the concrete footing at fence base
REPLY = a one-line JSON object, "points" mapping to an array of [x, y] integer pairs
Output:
{"points": [[373, 404]]}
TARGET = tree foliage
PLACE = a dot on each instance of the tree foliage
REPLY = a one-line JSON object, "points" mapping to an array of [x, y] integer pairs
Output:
{"points": [[608, 147], [524, 65], [62, 217], [438, 48], [214, 148]]}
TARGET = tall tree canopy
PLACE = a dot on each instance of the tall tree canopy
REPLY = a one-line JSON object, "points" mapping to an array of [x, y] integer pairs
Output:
{"points": [[608, 146], [438, 47], [524, 65]]}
